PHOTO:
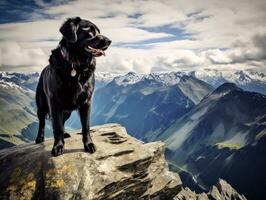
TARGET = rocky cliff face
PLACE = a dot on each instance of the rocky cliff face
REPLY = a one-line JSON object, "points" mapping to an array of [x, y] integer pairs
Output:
{"points": [[121, 168]]}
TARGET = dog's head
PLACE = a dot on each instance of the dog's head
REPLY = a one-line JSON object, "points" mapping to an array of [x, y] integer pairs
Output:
{"points": [[84, 36]]}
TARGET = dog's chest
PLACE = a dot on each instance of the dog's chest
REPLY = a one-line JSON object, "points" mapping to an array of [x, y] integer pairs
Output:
{"points": [[74, 85]]}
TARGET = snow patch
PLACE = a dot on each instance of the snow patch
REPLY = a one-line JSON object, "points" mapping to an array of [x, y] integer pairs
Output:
{"points": [[105, 76], [238, 77]]}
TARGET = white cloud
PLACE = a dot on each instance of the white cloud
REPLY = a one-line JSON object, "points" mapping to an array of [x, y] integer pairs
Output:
{"points": [[31, 31], [216, 56], [12, 54], [222, 34], [160, 13]]}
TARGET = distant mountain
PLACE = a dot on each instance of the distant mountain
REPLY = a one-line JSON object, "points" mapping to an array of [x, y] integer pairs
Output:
{"points": [[166, 79], [186, 83], [103, 78], [194, 88], [247, 80], [222, 137], [147, 104], [23, 80], [17, 113], [18, 121]]}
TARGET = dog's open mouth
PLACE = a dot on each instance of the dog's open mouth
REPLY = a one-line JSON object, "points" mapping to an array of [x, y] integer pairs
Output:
{"points": [[94, 52]]}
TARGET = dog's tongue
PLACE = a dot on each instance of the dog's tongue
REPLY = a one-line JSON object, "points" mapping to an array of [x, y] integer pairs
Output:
{"points": [[96, 52]]}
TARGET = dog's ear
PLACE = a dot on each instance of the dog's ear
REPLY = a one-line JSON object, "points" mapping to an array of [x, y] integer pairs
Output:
{"points": [[69, 29]]}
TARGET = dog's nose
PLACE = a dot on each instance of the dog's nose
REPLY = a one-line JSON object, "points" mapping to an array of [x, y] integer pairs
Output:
{"points": [[108, 41]]}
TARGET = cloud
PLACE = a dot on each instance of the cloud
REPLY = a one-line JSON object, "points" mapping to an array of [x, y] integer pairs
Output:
{"points": [[31, 31], [260, 42], [141, 61], [252, 50], [13, 55], [216, 56], [151, 35]]}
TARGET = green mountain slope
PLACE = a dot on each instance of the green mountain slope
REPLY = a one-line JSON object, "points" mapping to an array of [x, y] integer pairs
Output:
{"points": [[17, 112]]}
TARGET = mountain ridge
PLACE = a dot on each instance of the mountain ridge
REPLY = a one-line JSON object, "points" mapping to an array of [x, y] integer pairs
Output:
{"points": [[246, 79], [227, 124], [145, 104]]}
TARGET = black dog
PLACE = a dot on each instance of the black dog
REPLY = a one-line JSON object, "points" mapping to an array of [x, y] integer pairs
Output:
{"points": [[67, 83]]}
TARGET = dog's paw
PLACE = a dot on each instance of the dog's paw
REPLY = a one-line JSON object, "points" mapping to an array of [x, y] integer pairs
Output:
{"points": [[58, 150], [39, 140], [66, 135], [90, 147]]}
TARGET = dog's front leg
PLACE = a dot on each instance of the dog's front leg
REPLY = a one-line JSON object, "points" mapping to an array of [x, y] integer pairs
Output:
{"points": [[84, 112], [58, 129]]}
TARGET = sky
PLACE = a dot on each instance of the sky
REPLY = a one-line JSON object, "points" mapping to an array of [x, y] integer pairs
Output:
{"points": [[147, 36]]}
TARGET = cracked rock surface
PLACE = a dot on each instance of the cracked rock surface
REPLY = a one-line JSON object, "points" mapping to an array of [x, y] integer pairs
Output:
{"points": [[121, 168]]}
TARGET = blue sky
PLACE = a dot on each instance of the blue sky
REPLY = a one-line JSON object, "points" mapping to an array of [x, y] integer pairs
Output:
{"points": [[22, 10], [148, 36]]}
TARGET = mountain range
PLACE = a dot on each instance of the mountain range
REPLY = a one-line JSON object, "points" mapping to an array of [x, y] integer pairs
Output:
{"points": [[245, 79], [213, 122], [164, 96]]}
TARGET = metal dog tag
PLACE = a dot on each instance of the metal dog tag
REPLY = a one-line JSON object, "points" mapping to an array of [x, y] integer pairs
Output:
{"points": [[73, 72]]}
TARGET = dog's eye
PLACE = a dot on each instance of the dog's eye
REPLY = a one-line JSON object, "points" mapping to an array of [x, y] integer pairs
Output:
{"points": [[91, 30]]}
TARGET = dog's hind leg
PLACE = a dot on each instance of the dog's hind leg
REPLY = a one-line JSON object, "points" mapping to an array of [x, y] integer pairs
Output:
{"points": [[42, 111], [41, 115], [84, 112]]}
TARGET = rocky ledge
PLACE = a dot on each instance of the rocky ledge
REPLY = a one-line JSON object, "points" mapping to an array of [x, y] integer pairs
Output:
{"points": [[121, 168]]}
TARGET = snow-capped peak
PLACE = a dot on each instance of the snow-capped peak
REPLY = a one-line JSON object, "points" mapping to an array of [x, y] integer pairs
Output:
{"points": [[5, 84], [128, 79], [239, 77], [21, 81], [105, 76], [165, 78], [170, 78]]}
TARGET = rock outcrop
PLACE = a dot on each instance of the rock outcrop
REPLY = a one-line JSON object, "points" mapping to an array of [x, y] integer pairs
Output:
{"points": [[221, 191], [121, 168]]}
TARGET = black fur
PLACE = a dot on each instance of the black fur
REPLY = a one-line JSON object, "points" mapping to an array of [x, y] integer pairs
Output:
{"points": [[58, 92]]}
